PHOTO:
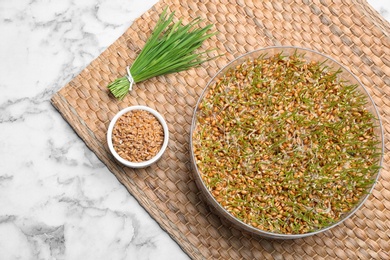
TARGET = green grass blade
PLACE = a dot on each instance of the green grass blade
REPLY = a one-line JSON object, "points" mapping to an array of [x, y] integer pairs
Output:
{"points": [[170, 48]]}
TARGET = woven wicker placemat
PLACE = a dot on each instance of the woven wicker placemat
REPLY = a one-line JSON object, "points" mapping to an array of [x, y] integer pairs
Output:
{"points": [[349, 31]]}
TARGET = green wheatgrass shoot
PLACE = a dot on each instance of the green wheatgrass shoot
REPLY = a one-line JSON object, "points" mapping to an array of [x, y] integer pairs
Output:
{"points": [[285, 145], [170, 48]]}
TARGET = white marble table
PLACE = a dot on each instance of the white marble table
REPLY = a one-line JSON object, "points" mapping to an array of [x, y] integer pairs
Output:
{"points": [[57, 200]]}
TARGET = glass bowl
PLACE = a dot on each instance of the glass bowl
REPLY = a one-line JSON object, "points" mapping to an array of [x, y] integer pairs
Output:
{"points": [[309, 56]]}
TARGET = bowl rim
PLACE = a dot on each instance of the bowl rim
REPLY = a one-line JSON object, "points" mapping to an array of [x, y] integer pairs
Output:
{"points": [[237, 222], [143, 164]]}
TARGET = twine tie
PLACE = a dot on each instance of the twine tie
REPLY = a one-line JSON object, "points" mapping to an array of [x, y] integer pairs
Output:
{"points": [[130, 78]]}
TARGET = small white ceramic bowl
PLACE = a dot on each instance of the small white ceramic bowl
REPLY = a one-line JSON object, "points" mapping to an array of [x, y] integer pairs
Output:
{"points": [[144, 163]]}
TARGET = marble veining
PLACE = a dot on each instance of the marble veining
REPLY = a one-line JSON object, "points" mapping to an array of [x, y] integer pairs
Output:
{"points": [[57, 200], [383, 7]]}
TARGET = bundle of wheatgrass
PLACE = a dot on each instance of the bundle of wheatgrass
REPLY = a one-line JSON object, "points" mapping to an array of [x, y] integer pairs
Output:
{"points": [[171, 48]]}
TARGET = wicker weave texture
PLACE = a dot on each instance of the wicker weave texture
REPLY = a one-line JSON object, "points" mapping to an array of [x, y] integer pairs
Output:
{"points": [[349, 31]]}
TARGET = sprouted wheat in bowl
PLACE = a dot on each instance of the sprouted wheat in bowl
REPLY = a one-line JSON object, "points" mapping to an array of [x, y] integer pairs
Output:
{"points": [[285, 144]]}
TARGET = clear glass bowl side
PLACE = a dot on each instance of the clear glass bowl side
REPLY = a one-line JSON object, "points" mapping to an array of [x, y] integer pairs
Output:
{"points": [[310, 55]]}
